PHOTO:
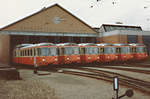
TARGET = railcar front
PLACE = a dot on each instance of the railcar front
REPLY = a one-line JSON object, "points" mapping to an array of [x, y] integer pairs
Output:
{"points": [[107, 52], [68, 53], [139, 51], [123, 52], [88, 53]]}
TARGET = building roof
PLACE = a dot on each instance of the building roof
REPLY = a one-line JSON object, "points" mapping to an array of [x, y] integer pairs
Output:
{"points": [[112, 27], [121, 25], [43, 9]]}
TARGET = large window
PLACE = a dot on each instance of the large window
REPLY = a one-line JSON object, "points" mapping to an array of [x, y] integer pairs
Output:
{"points": [[53, 51], [109, 50], [71, 50], [68, 51], [140, 49], [47, 51], [101, 50], [75, 50], [92, 50], [125, 50]]}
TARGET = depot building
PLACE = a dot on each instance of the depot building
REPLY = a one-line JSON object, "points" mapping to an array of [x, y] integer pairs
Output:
{"points": [[55, 24]]}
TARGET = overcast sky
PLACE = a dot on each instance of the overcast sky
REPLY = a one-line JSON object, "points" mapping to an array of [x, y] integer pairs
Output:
{"points": [[129, 12]]}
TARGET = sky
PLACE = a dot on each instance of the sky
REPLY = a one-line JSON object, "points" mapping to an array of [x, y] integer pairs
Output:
{"points": [[93, 12]]}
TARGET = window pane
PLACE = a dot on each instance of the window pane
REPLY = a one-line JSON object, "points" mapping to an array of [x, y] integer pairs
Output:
{"points": [[68, 50], [44, 52], [75, 50], [109, 50], [53, 51], [140, 49], [92, 50]]}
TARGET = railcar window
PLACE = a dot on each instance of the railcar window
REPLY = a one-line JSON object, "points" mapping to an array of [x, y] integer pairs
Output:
{"points": [[23, 53], [139, 49], [87, 50], [101, 50], [75, 50], [113, 50], [68, 50], [38, 52], [53, 51], [133, 50], [125, 50], [35, 53], [107, 50], [17, 53], [95, 50], [31, 52], [44, 52], [20, 53], [118, 50], [28, 53], [91, 50]]}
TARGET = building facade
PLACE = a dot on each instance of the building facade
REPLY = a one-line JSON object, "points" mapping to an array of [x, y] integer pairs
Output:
{"points": [[53, 24]]}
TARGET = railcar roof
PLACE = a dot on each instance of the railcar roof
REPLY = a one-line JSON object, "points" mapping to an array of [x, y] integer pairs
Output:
{"points": [[120, 44], [136, 44], [45, 44], [66, 44], [87, 44], [104, 44], [23, 45], [35, 46]]}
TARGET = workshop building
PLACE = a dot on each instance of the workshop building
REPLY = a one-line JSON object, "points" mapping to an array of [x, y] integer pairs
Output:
{"points": [[53, 24]]}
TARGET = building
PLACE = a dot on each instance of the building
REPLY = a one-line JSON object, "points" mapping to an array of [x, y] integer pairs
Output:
{"points": [[53, 24], [109, 33]]}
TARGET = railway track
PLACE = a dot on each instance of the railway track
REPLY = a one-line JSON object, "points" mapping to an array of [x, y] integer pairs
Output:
{"points": [[143, 86], [128, 68], [143, 65]]}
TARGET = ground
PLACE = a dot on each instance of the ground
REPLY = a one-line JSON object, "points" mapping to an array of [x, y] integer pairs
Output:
{"points": [[59, 86]]}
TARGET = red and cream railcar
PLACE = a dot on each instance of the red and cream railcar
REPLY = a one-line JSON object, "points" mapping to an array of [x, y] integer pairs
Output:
{"points": [[123, 51], [107, 52], [139, 51], [39, 54], [68, 53], [88, 53]]}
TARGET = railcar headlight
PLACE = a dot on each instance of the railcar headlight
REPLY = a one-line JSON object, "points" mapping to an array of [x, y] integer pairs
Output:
{"points": [[97, 57], [55, 59], [67, 58], [116, 56], [43, 60], [124, 56], [78, 57], [89, 57], [108, 57]]}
